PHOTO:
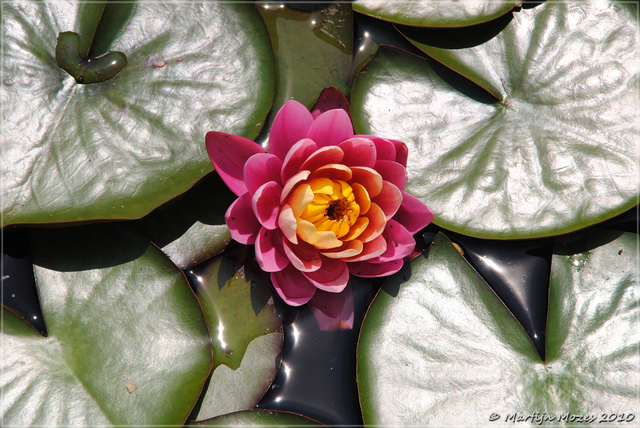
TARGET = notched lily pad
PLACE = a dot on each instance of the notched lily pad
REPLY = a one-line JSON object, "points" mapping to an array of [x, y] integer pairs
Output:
{"points": [[438, 347], [119, 316], [537, 163], [120, 148], [434, 13]]}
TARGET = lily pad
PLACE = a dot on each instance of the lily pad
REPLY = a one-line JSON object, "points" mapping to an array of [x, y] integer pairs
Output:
{"points": [[260, 417], [434, 13], [538, 162], [438, 347], [313, 50], [119, 317], [120, 148], [247, 336]]}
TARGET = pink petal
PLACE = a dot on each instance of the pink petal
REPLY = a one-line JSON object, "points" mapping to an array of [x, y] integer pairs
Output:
{"points": [[331, 128], [294, 288], [290, 125], [333, 276], [377, 222], [359, 151], [402, 152], [299, 153], [330, 98], [393, 172], [374, 270], [389, 199], [266, 204], [400, 242], [261, 168], [385, 148], [229, 153], [413, 214], [269, 252], [304, 257], [242, 222], [371, 250], [321, 157], [333, 171], [369, 178], [333, 311]]}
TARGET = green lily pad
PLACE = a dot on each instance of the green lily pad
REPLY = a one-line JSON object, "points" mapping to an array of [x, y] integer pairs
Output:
{"points": [[247, 337], [537, 163], [438, 347], [127, 341], [313, 50], [434, 13], [120, 148], [190, 228], [260, 417]]}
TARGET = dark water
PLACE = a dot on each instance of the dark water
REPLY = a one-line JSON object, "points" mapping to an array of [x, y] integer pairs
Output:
{"points": [[317, 377], [19, 291]]}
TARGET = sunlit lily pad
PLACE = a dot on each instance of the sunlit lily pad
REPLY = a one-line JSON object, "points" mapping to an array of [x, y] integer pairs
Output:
{"points": [[247, 336], [120, 148], [127, 341], [557, 153], [434, 13], [438, 347]]}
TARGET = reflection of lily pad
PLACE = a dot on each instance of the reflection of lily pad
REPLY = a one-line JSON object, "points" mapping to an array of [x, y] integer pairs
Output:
{"points": [[120, 148], [434, 13], [558, 153], [247, 336], [241, 389], [119, 316], [437, 346]]}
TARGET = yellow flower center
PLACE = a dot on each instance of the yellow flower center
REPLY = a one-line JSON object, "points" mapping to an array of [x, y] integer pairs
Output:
{"points": [[328, 212], [333, 207]]}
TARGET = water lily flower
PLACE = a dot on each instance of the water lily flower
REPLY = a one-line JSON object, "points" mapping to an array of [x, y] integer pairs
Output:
{"points": [[322, 204]]}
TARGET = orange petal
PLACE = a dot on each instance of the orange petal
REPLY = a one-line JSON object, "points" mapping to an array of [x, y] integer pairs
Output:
{"points": [[362, 197], [307, 231], [377, 222], [287, 223], [348, 249], [300, 198], [293, 181], [369, 178], [327, 240], [357, 229], [322, 186]]}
